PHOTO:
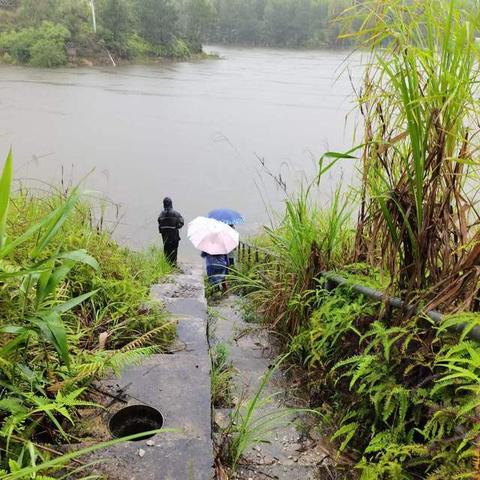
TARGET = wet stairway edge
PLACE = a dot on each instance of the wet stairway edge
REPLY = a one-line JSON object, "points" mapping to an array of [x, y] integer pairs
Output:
{"points": [[177, 384]]}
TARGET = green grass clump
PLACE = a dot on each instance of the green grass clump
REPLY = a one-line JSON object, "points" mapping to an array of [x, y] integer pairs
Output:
{"points": [[400, 393], [395, 390], [221, 376], [419, 158], [400, 390], [307, 241]]}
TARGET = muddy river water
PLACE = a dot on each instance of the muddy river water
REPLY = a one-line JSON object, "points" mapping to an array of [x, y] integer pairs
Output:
{"points": [[192, 130]]}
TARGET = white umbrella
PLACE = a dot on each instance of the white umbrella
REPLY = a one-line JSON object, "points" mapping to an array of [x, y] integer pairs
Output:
{"points": [[212, 236]]}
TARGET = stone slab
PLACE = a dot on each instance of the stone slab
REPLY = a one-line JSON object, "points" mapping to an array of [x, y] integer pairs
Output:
{"points": [[179, 387], [169, 459], [191, 307], [288, 455], [192, 331]]}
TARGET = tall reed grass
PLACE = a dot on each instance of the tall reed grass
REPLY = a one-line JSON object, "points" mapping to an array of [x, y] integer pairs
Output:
{"points": [[419, 212], [286, 279]]}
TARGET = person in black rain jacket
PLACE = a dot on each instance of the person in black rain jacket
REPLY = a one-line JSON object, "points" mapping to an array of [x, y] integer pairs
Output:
{"points": [[169, 223]]}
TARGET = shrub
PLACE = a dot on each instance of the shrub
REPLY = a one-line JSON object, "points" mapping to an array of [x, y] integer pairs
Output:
{"points": [[47, 53], [138, 47], [178, 49], [18, 44], [66, 316], [37, 45]]}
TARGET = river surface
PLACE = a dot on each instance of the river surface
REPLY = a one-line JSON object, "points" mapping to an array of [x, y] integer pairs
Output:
{"points": [[194, 131]]}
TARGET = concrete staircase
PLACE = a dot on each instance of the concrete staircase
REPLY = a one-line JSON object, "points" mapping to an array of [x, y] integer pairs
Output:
{"points": [[176, 384]]}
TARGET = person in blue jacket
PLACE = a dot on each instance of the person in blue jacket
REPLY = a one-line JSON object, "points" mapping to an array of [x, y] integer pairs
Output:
{"points": [[217, 266]]}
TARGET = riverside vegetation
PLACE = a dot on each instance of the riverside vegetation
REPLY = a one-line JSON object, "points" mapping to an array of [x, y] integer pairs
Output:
{"points": [[74, 305], [396, 391], [51, 33], [277, 23]]}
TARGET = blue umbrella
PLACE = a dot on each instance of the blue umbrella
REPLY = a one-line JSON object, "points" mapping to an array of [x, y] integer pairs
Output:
{"points": [[226, 215]]}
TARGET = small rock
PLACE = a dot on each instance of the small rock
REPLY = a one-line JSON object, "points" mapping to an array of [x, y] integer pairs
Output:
{"points": [[150, 443], [221, 419], [268, 460], [315, 435], [141, 452]]}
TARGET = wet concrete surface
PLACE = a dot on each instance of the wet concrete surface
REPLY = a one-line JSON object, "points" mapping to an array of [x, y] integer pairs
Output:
{"points": [[178, 385], [290, 454]]}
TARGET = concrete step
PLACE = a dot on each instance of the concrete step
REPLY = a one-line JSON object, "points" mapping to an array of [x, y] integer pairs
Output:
{"points": [[177, 385]]}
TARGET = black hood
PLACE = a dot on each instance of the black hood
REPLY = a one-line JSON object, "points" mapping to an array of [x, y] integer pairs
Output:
{"points": [[167, 203]]}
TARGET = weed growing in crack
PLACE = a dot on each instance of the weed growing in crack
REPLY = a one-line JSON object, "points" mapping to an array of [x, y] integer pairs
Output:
{"points": [[221, 376], [253, 421]]}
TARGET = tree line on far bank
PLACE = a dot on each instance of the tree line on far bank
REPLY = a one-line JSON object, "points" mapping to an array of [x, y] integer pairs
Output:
{"points": [[54, 32], [277, 23]]}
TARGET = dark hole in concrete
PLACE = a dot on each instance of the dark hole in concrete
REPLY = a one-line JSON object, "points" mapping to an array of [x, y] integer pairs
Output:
{"points": [[135, 419]]}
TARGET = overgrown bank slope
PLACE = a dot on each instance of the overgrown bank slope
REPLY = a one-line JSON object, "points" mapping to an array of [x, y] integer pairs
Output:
{"points": [[73, 305]]}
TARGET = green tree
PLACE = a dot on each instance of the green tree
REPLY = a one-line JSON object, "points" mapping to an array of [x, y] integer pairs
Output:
{"points": [[279, 18], [116, 22], [47, 53], [198, 17], [293, 22], [239, 21], [278, 22], [157, 20], [35, 45], [33, 12], [73, 14]]}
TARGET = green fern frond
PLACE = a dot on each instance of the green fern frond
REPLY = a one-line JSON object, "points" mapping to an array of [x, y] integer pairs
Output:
{"points": [[147, 337], [346, 431], [120, 360], [379, 442]]}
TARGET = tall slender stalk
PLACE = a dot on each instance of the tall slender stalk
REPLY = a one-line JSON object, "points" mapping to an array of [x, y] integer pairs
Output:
{"points": [[420, 104]]}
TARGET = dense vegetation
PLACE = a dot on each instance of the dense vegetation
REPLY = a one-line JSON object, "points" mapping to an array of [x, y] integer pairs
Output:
{"points": [[55, 32], [400, 392], [73, 306], [281, 23]]}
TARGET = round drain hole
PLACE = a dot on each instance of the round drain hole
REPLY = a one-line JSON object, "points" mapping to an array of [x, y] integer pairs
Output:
{"points": [[135, 419]]}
